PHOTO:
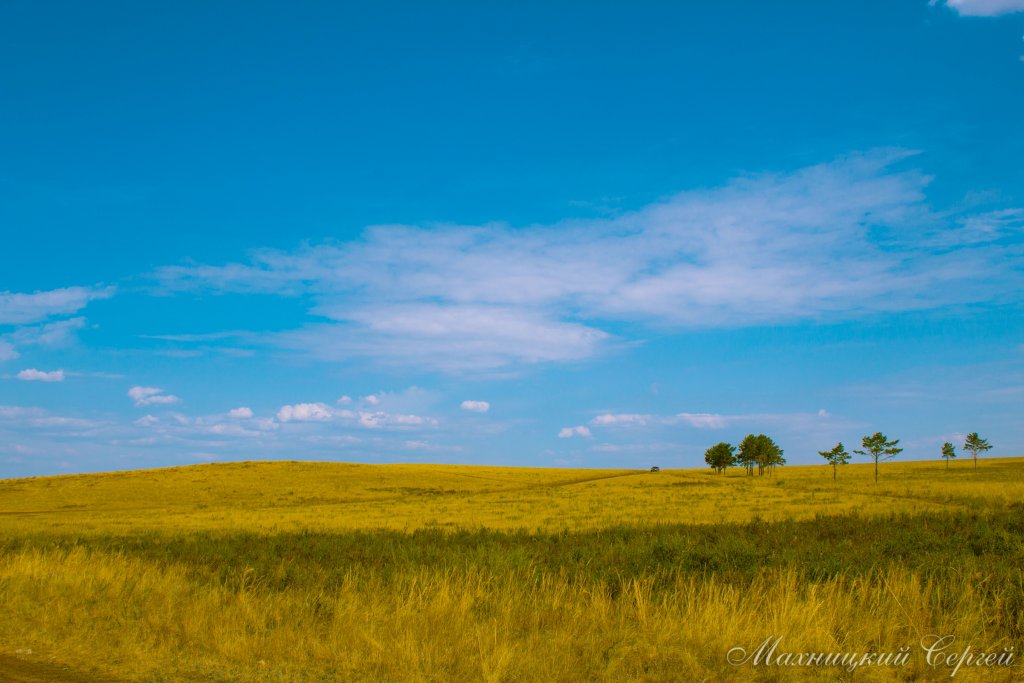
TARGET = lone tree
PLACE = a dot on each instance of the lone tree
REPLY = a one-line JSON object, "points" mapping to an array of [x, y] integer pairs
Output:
{"points": [[948, 452], [836, 457], [879, 448], [759, 450], [720, 456], [975, 444]]}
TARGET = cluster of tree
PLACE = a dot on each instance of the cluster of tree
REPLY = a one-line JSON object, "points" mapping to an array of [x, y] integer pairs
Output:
{"points": [[758, 452], [878, 447], [973, 443]]}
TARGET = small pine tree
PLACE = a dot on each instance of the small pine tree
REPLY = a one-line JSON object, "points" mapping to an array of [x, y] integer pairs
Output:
{"points": [[948, 452], [975, 444], [879, 448], [836, 457]]}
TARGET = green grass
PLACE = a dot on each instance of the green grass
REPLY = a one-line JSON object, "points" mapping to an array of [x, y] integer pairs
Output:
{"points": [[932, 544]]}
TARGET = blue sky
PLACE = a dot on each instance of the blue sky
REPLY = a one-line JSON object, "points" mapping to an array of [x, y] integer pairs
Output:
{"points": [[560, 234]]}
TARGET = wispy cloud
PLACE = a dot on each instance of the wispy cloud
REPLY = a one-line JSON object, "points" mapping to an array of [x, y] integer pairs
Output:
{"points": [[50, 335], [628, 419], [570, 432], [705, 420], [149, 396], [33, 375], [213, 336], [447, 337], [834, 241], [38, 419], [217, 431], [22, 308], [37, 318], [233, 429], [379, 419], [475, 406], [702, 420], [982, 8], [7, 351]]}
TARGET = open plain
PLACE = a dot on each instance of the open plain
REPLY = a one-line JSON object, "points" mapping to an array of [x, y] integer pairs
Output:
{"points": [[302, 571]]}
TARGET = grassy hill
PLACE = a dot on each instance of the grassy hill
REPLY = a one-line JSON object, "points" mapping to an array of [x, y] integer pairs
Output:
{"points": [[287, 496], [287, 571]]}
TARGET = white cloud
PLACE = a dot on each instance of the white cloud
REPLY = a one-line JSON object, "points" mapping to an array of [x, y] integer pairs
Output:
{"points": [[708, 420], [621, 419], [368, 419], [344, 401], [983, 228], [243, 413], [332, 439], [444, 336], [18, 412], [983, 8], [380, 419], [304, 412], [232, 429], [702, 420], [834, 241], [37, 418], [569, 432], [61, 421], [33, 375], [372, 420], [265, 424], [19, 309], [148, 396], [55, 334], [147, 421], [33, 315], [160, 399], [476, 406]]}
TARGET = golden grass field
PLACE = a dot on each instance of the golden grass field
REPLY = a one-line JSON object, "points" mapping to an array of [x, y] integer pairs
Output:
{"points": [[298, 571], [289, 496]]}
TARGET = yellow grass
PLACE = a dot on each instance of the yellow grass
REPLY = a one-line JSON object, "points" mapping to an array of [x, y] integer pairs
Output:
{"points": [[125, 616], [285, 496], [145, 619]]}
